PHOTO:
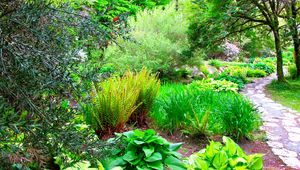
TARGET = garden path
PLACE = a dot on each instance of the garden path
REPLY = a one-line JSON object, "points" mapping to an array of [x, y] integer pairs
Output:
{"points": [[282, 124]]}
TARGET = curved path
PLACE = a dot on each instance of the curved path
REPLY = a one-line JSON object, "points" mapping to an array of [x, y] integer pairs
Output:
{"points": [[281, 124]]}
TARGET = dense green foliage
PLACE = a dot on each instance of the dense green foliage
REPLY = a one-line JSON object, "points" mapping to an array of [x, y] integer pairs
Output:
{"points": [[159, 43], [50, 53], [215, 85], [227, 156], [116, 100], [178, 107], [146, 150]]}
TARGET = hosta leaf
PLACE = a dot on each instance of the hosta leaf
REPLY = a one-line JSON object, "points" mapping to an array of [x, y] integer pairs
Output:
{"points": [[138, 142], [148, 150], [175, 146], [156, 165], [154, 157], [130, 156], [230, 146], [174, 163], [220, 159], [257, 162]]}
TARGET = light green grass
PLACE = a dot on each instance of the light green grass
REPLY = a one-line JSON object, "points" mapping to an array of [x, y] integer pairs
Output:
{"points": [[288, 94]]}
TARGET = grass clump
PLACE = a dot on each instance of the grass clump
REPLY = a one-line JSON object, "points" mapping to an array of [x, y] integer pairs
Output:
{"points": [[180, 107], [287, 93]]}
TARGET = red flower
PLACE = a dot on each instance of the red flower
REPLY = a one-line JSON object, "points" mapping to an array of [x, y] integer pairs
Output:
{"points": [[116, 19]]}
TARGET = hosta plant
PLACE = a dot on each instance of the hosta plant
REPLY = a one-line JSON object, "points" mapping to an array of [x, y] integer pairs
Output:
{"points": [[256, 73], [215, 85], [222, 157], [145, 150]]}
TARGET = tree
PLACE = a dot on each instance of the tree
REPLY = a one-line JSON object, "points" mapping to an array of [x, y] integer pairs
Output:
{"points": [[239, 16], [40, 44], [293, 19]]}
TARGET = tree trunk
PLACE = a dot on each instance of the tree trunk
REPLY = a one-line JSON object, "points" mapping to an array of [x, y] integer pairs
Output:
{"points": [[177, 5], [278, 47], [296, 40]]}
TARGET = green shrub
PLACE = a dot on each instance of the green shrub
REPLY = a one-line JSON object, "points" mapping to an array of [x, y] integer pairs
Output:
{"points": [[112, 104], [267, 67], [185, 108], [146, 150], [159, 43], [216, 85], [256, 73], [204, 70], [240, 80], [237, 71], [215, 63], [117, 100], [228, 156], [149, 86], [292, 70]]}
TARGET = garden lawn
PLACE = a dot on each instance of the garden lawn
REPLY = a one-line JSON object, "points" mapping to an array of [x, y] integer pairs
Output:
{"points": [[287, 94]]}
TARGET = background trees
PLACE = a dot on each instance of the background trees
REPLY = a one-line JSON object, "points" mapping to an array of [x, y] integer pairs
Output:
{"points": [[228, 18]]}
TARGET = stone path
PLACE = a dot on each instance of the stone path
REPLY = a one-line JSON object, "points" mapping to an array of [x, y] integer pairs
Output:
{"points": [[281, 124]]}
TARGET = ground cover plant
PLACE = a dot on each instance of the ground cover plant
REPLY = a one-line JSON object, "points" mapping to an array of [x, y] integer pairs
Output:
{"points": [[287, 93], [180, 107], [145, 150], [227, 156]]}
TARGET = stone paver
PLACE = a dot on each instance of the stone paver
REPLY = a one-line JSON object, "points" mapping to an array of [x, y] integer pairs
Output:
{"points": [[282, 124]]}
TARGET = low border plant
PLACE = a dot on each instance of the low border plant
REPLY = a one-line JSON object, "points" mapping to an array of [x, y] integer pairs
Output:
{"points": [[227, 156]]}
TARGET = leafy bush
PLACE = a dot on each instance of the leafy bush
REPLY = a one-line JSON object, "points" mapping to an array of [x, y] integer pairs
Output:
{"points": [[112, 104], [146, 150], [159, 43], [149, 86], [256, 73], [268, 68], [216, 85], [229, 156], [215, 63], [186, 108], [237, 71], [240, 80], [292, 70]]}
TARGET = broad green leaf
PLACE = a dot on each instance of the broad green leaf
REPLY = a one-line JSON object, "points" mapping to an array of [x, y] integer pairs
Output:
{"points": [[220, 159], [129, 156], [138, 142], [257, 162], [175, 146], [154, 157], [156, 165], [148, 150], [174, 163]]}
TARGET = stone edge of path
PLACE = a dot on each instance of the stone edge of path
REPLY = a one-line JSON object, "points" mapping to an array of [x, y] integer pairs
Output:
{"points": [[281, 124]]}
